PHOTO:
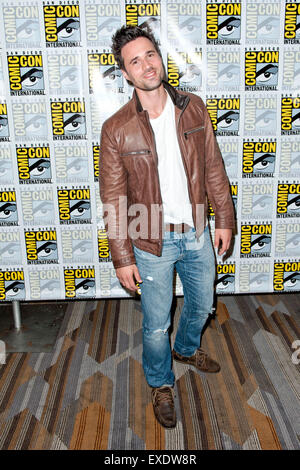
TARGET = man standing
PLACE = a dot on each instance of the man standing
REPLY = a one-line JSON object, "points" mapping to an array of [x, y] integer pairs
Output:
{"points": [[159, 155]]}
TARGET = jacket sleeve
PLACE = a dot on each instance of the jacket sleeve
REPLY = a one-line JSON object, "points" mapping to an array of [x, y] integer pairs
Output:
{"points": [[216, 181], [113, 193]]}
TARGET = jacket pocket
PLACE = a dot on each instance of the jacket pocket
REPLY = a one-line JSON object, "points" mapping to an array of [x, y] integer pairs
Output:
{"points": [[136, 152], [192, 131]]}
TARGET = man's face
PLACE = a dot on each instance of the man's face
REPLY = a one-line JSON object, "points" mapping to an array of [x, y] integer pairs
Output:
{"points": [[143, 65]]}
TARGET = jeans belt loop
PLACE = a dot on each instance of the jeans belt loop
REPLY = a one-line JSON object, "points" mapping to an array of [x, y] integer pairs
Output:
{"points": [[179, 228]]}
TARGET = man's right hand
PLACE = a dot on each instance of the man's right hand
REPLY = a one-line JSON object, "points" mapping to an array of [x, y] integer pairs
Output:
{"points": [[129, 276]]}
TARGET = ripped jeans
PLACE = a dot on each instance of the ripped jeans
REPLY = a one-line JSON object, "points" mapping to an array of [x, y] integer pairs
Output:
{"points": [[195, 264]]}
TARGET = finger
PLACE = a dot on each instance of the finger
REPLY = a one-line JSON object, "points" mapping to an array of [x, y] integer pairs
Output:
{"points": [[137, 274]]}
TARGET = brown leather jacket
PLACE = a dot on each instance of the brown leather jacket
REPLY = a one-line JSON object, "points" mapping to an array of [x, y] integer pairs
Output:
{"points": [[129, 174]]}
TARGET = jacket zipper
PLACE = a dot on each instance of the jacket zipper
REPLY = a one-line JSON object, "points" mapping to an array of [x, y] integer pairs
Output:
{"points": [[137, 152], [154, 142], [187, 133], [182, 154]]}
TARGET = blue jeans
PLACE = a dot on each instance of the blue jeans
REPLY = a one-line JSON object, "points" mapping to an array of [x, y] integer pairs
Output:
{"points": [[195, 264]]}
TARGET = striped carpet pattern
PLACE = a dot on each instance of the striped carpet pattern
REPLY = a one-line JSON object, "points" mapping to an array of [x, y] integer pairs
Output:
{"points": [[89, 392]]}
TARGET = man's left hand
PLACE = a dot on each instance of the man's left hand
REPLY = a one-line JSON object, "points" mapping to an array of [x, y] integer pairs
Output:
{"points": [[222, 239]]}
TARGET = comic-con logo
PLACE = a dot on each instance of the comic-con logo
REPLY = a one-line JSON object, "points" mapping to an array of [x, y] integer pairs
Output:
{"points": [[79, 282], [260, 115], [258, 159], [223, 23], [261, 70], [145, 15], [225, 281], [257, 198], [30, 119], [7, 174], [292, 23], [77, 244], [291, 70], [12, 285], [286, 276], [96, 157], [65, 72], [34, 164], [184, 20], [103, 247], [290, 157], [71, 162], [223, 69], [21, 25], [287, 241], [256, 240], [288, 200], [44, 282], [290, 115], [4, 128], [102, 20], [254, 276], [104, 72], [74, 206], [68, 119], [26, 75], [8, 208], [10, 247], [224, 114], [234, 195], [184, 72], [262, 21], [37, 205], [62, 25], [41, 246]]}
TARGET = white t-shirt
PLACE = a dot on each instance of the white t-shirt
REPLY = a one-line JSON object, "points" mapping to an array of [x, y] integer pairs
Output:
{"points": [[173, 182]]}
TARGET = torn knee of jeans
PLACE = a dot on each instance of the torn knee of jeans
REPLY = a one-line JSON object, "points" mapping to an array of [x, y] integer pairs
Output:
{"points": [[158, 331], [149, 278]]}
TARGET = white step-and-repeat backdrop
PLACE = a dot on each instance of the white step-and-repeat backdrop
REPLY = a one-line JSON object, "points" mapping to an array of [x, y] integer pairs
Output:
{"points": [[58, 83]]}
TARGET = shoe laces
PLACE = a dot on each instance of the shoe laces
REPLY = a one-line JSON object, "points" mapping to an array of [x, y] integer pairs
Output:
{"points": [[163, 394], [201, 357]]}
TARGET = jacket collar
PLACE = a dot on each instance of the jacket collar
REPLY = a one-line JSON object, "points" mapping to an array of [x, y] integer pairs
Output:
{"points": [[179, 100]]}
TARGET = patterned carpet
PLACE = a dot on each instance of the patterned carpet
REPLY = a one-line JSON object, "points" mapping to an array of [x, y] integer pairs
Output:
{"points": [[90, 391]]}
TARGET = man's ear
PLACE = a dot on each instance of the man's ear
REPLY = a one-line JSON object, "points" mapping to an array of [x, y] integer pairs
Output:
{"points": [[125, 75]]}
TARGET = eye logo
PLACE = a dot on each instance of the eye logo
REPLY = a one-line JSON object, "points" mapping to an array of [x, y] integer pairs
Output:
{"points": [[225, 281], [74, 206], [103, 72], [259, 159], [26, 76], [256, 240], [4, 129], [261, 70], [286, 276], [12, 286], [288, 200], [224, 114], [62, 25], [79, 282], [41, 246], [8, 208], [145, 16], [223, 23], [68, 120]]}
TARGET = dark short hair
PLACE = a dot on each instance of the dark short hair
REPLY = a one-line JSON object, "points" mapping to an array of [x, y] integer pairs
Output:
{"points": [[126, 34]]}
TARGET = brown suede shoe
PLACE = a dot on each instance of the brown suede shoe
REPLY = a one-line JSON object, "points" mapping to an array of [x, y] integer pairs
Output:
{"points": [[163, 406], [200, 359]]}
